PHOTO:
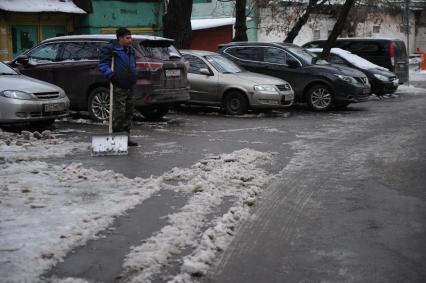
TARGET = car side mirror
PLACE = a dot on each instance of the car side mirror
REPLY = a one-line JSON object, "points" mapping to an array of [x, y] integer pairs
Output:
{"points": [[292, 63], [174, 56], [22, 59], [205, 71]]}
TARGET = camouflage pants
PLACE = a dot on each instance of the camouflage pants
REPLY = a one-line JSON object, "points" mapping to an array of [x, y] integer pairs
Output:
{"points": [[123, 108]]}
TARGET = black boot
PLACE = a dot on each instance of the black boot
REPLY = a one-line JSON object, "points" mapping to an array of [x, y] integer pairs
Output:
{"points": [[131, 143]]}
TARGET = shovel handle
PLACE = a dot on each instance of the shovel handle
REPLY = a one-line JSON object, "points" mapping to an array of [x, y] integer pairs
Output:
{"points": [[111, 98]]}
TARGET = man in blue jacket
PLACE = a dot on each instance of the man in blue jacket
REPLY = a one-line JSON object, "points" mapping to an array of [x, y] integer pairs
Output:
{"points": [[123, 78]]}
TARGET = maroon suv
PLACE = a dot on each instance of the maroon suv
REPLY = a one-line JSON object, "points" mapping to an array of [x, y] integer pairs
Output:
{"points": [[71, 63]]}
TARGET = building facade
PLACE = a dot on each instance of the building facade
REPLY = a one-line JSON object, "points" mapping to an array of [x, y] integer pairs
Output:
{"points": [[22, 25], [213, 23], [373, 24], [141, 17]]}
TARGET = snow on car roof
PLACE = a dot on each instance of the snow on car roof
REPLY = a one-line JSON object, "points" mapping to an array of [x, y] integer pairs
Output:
{"points": [[61, 6], [106, 36], [198, 52], [352, 58]]}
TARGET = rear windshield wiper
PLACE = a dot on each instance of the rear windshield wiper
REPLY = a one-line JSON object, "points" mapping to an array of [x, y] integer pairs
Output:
{"points": [[7, 74]]}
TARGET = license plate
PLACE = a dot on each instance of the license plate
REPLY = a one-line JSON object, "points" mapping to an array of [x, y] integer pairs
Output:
{"points": [[54, 107], [173, 73], [396, 82], [366, 91]]}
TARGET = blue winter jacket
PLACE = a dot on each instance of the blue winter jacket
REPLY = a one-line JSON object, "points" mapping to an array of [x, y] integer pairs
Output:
{"points": [[124, 64]]}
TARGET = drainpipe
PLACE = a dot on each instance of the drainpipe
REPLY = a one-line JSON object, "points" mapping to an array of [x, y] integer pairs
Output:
{"points": [[407, 31]]}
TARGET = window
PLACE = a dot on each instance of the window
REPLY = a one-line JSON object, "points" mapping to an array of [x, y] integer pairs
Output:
{"points": [[159, 51], [44, 53], [371, 48], [195, 64], [244, 53], [201, 1], [223, 65], [376, 29], [317, 34], [274, 55], [335, 59], [80, 51]]}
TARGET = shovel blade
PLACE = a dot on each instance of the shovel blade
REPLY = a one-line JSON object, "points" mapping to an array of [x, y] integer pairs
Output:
{"points": [[109, 145]]}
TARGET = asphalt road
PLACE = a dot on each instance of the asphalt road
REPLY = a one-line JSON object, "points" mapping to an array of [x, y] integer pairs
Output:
{"points": [[349, 203]]}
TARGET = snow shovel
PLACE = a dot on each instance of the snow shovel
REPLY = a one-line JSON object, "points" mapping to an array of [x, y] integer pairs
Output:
{"points": [[110, 144]]}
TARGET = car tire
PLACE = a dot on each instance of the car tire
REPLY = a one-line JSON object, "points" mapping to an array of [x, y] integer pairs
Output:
{"points": [[320, 97], [98, 104], [47, 124], [155, 113], [235, 103]]}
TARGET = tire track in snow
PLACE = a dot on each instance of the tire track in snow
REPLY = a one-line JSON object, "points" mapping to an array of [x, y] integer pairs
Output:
{"points": [[212, 179]]}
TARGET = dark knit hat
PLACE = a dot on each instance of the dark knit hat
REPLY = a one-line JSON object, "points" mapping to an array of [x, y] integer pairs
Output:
{"points": [[122, 32]]}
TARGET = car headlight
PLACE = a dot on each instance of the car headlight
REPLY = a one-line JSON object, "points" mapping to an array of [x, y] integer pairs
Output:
{"points": [[62, 94], [265, 88], [16, 94], [380, 77], [347, 79]]}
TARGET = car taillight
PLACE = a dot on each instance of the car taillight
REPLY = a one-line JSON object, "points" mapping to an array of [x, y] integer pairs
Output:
{"points": [[392, 55]]}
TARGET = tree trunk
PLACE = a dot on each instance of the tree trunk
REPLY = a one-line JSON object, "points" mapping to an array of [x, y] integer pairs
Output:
{"points": [[240, 21], [177, 23], [302, 20], [337, 29]]}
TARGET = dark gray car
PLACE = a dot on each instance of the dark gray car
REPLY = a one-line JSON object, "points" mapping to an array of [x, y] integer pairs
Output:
{"points": [[388, 53], [316, 82]]}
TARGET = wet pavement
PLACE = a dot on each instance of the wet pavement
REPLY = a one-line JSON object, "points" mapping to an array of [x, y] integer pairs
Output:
{"points": [[349, 203]]}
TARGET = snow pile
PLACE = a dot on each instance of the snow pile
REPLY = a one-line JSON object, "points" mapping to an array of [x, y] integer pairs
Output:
{"points": [[403, 89], [47, 210], [233, 175], [82, 121], [30, 146]]}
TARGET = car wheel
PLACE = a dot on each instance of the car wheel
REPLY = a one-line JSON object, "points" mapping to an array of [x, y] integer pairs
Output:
{"points": [[155, 113], [98, 104], [320, 98], [235, 103], [47, 124]]}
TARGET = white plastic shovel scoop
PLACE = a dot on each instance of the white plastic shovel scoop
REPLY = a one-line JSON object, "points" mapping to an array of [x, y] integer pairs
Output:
{"points": [[110, 144]]}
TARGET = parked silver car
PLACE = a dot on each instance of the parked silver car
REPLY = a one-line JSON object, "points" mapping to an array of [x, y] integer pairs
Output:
{"points": [[217, 81], [24, 99]]}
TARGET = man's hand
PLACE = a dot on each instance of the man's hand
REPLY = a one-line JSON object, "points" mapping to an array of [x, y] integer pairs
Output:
{"points": [[114, 79]]}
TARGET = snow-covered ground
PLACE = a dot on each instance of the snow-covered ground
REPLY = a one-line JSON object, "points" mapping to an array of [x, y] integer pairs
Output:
{"points": [[234, 175], [48, 210], [410, 90], [31, 146]]}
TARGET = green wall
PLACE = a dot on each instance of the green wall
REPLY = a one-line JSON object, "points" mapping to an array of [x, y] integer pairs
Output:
{"points": [[113, 14]]}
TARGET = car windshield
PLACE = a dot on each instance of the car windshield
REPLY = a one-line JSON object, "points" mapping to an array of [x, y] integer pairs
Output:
{"points": [[223, 65], [6, 70], [306, 55]]}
